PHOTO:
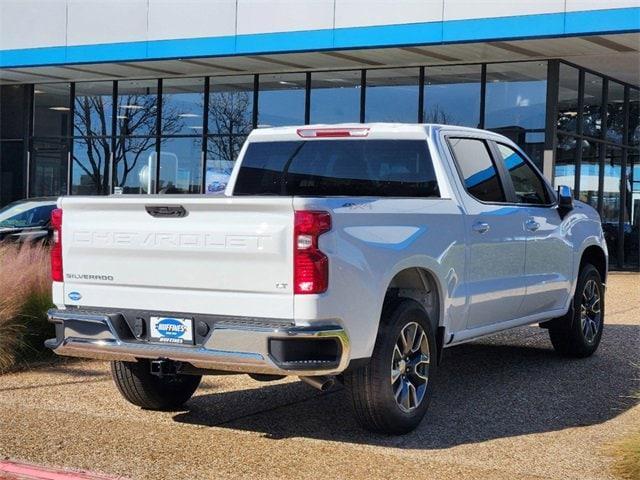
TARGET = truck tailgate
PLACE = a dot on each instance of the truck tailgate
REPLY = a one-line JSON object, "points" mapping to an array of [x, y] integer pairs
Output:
{"points": [[227, 256]]}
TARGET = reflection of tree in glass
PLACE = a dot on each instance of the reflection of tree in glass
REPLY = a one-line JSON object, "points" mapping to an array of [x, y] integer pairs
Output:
{"points": [[93, 119], [437, 115], [615, 121], [230, 119], [172, 122], [591, 120], [567, 121], [140, 120]]}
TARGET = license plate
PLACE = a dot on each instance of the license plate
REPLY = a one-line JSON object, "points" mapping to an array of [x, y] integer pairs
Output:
{"points": [[171, 330]]}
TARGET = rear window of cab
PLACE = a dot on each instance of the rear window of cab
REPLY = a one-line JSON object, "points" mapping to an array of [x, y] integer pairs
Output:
{"points": [[320, 168]]}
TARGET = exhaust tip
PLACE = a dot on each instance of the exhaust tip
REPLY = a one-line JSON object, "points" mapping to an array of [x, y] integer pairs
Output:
{"points": [[320, 382]]}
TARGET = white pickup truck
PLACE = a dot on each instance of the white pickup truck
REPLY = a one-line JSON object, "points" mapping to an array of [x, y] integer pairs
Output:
{"points": [[354, 253]]}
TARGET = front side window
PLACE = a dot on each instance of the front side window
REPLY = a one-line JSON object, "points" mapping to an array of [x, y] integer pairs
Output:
{"points": [[379, 168], [528, 186], [479, 174]]}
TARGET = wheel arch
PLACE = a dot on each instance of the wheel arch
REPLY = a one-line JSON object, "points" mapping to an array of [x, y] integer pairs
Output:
{"points": [[421, 285], [595, 255]]}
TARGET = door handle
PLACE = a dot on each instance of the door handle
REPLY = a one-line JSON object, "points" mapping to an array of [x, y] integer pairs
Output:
{"points": [[481, 227], [531, 225]]}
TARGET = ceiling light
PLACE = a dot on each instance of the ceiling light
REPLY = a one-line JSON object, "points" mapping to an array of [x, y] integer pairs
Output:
{"points": [[60, 109], [132, 107], [282, 82], [38, 91], [188, 115], [196, 127], [122, 117]]}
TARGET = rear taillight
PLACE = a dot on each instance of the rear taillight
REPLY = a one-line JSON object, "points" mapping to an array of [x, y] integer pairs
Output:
{"points": [[56, 245], [310, 265]]}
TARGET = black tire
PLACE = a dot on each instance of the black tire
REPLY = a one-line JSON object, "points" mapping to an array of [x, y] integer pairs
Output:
{"points": [[138, 386], [371, 388], [570, 335]]}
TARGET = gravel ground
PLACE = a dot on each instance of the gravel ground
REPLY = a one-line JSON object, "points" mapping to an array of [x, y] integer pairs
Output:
{"points": [[504, 407]]}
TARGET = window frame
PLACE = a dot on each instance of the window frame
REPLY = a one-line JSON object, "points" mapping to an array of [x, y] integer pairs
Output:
{"points": [[510, 191], [490, 151]]}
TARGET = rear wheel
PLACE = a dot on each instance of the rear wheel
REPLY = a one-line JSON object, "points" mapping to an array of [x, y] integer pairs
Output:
{"points": [[391, 393], [578, 334], [139, 386]]}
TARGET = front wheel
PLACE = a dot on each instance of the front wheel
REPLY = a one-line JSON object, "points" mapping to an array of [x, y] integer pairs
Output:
{"points": [[391, 393], [578, 334], [139, 386]]}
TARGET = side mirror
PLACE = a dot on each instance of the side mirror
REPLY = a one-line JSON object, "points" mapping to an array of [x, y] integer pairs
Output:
{"points": [[565, 199]]}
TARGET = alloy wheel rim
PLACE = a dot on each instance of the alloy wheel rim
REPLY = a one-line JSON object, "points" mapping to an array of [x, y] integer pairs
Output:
{"points": [[410, 367], [590, 311]]}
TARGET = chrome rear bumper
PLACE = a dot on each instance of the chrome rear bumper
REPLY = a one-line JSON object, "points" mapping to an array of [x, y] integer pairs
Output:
{"points": [[231, 347]]}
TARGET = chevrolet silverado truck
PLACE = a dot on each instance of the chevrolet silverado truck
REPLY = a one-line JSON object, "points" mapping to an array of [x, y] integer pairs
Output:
{"points": [[355, 253]]}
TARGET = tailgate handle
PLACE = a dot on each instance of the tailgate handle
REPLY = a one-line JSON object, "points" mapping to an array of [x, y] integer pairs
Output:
{"points": [[166, 211]]}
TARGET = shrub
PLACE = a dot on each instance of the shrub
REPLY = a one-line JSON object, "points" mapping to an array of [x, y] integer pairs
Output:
{"points": [[25, 296]]}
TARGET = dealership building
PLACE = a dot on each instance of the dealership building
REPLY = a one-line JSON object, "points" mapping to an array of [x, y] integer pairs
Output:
{"points": [[157, 96]]}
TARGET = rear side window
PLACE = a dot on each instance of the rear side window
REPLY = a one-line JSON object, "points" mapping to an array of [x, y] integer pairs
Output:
{"points": [[478, 171], [380, 168], [528, 186]]}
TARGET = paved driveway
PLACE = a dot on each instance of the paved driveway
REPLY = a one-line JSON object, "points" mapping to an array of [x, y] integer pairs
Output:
{"points": [[505, 407]]}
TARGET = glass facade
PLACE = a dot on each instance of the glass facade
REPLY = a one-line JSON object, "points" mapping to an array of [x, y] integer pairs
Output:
{"points": [[231, 118], [615, 113], [589, 177], [281, 99], [14, 130], [392, 95], [631, 229], [597, 154], [516, 104], [182, 135], [52, 127], [134, 161], [182, 106], [452, 95], [93, 109], [568, 94], [180, 165], [335, 97], [91, 156], [611, 196], [592, 105], [631, 185], [565, 165], [52, 107], [48, 167]]}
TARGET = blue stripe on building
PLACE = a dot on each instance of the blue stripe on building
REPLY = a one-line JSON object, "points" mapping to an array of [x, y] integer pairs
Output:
{"points": [[427, 33]]}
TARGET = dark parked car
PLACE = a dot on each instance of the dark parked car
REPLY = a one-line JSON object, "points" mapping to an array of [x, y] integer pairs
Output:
{"points": [[26, 220]]}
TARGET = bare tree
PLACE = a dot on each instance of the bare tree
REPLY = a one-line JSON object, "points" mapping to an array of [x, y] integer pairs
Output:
{"points": [[135, 135], [96, 144], [230, 120], [437, 115]]}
